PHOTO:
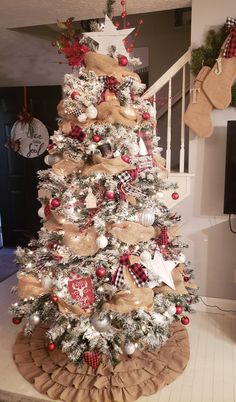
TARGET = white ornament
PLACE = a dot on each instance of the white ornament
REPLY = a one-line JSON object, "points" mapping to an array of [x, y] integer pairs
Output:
{"points": [[145, 257], [181, 258], [41, 212], [159, 195], [158, 212], [101, 325], [146, 217], [46, 282], [133, 149], [102, 241], [91, 112], [82, 117], [161, 268], [129, 348], [110, 36], [171, 309], [52, 159], [34, 319]]}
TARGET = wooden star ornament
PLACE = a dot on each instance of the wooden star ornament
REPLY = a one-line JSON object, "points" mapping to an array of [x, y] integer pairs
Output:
{"points": [[161, 268], [110, 36]]}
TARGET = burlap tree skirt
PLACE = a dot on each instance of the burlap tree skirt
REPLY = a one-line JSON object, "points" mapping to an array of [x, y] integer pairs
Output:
{"points": [[144, 373]]}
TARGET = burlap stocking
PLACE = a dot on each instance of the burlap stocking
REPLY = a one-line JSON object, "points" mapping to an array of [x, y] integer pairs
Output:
{"points": [[198, 113], [217, 84]]}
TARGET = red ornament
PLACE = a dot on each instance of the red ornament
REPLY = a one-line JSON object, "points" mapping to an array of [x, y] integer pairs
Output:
{"points": [[92, 358], [51, 346], [52, 245], [16, 320], [110, 195], [123, 61], [125, 158], [81, 289], [146, 116], [175, 195], [74, 95], [124, 14], [54, 298], [101, 272], [53, 43], [55, 202], [96, 138], [185, 320], [179, 310]]}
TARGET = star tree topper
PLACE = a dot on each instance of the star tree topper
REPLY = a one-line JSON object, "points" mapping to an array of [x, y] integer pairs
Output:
{"points": [[162, 268], [110, 36]]}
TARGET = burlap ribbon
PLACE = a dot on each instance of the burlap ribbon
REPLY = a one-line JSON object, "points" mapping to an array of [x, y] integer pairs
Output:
{"points": [[66, 308], [111, 166], [80, 243], [67, 166], [131, 232], [29, 286]]}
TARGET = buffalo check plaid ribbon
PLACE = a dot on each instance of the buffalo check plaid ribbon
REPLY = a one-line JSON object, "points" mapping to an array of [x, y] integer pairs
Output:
{"points": [[137, 272], [113, 84], [230, 46], [125, 186], [163, 238]]}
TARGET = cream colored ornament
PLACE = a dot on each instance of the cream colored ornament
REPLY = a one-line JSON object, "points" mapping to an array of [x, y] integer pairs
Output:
{"points": [[129, 348], [91, 112], [110, 36], [41, 212], [146, 217], [90, 200], [102, 241], [82, 118]]}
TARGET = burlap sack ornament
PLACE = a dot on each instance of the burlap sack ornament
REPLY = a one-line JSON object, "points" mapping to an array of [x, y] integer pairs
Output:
{"points": [[106, 65], [198, 113], [67, 166], [29, 286], [131, 232], [80, 243], [126, 301], [103, 165], [111, 112]]}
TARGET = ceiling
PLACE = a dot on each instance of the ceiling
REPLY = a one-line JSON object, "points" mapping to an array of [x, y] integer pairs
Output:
{"points": [[23, 13]]}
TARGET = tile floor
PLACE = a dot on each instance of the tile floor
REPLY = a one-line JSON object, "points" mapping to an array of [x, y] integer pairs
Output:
{"points": [[209, 377]]}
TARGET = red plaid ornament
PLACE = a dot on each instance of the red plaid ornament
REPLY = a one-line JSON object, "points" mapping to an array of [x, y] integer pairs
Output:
{"points": [[92, 358], [163, 238], [124, 259]]}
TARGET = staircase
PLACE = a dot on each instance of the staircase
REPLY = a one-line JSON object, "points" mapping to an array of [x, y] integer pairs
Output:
{"points": [[179, 175]]}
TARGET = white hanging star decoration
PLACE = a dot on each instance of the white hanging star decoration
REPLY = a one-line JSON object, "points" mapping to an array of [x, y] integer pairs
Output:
{"points": [[161, 268], [110, 36]]}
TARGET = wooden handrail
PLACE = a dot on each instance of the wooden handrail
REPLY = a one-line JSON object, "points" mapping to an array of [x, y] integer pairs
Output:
{"points": [[164, 79]]}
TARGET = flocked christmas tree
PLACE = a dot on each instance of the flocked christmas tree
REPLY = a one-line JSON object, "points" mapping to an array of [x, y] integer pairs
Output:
{"points": [[107, 274]]}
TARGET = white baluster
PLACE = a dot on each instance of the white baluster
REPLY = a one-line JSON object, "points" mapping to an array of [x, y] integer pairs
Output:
{"points": [[168, 147], [182, 145], [155, 107]]}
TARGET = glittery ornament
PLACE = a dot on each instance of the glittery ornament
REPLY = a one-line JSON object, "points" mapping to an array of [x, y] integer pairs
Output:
{"points": [[100, 324]]}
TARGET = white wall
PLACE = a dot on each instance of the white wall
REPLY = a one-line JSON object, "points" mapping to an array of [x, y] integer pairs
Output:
{"points": [[212, 246]]}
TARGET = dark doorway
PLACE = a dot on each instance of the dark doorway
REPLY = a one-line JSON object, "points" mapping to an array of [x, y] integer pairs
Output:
{"points": [[18, 175]]}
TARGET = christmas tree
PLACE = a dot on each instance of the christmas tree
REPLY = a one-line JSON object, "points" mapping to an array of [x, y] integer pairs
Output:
{"points": [[107, 277]]}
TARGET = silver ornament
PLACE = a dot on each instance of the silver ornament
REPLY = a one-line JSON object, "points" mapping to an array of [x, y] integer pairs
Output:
{"points": [[34, 319], [129, 348], [46, 282], [181, 258], [146, 217], [145, 256], [100, 324], [52, 159], [102, 241], [91, 112]]}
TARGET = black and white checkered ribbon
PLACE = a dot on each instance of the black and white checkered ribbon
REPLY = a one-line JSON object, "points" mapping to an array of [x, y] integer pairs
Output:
{"points": [[125, 179], [230, 45], [127, 83], [119, 280]]}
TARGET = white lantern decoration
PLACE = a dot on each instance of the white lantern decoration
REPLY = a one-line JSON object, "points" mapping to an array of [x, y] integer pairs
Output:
{"points": [[146, 217], [171, 309], [41, 212], [91, 112], [100, 324], [102, 241], [46, 282], [181, 258], [34, 319], [82, 118], [145, 256], [129, 348]]}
